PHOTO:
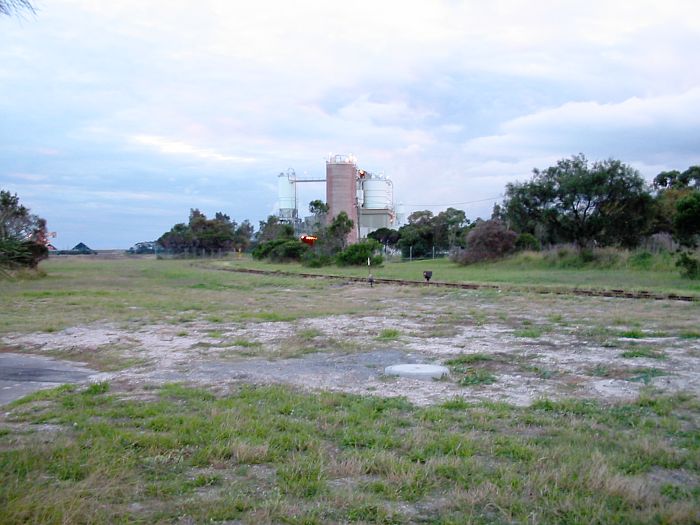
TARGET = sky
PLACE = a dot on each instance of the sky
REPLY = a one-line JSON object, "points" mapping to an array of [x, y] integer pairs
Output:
{"points": [[117, 118]]}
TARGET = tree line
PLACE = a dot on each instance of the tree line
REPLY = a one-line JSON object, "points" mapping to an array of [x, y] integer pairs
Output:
{"points": [[577, 202]]}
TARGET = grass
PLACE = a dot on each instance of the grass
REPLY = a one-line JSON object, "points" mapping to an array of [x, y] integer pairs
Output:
{"points": [[389, 334], [526, 270], [647, 352], [272, 455]]}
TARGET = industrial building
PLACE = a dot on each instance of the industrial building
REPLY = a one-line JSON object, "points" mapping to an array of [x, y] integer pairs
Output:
{"points": [[367, 198]]}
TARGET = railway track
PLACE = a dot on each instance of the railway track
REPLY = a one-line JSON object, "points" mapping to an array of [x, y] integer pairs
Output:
{"points": [[623, 294]]}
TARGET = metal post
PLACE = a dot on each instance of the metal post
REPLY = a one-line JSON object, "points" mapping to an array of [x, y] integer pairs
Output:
{"points": [[410, 253]]}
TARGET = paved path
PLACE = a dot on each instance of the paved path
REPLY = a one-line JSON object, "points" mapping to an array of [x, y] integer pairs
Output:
{"points": [[22, 374]]}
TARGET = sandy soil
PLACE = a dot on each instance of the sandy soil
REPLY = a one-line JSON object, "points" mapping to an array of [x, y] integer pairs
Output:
{"points": [[564, 360]]}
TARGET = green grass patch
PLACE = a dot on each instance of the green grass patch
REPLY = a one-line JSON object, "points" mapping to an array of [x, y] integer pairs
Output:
{"points": [[389, 334], [476, 376], [647, 352], [272, 454]]}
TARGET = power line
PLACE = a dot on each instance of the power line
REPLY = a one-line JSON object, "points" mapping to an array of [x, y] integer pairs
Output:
{"points": [[455, 203]]}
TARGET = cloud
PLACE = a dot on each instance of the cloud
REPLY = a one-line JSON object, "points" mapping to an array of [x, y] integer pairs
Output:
{"points": [[175, 147], [633, 129]]}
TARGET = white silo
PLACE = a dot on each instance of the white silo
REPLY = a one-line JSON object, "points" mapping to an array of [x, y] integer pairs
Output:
{"points": [[286, 190], [377, 193]]}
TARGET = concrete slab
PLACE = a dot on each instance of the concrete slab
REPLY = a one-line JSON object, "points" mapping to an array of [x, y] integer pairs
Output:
{"points": [[22, 374], [417, 371]]}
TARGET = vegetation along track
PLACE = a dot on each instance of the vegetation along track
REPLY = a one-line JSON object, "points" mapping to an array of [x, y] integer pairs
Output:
{"points": [[642, 294]]}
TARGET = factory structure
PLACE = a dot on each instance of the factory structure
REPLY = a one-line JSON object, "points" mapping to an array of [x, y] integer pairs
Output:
{"points": [[367, 198]]}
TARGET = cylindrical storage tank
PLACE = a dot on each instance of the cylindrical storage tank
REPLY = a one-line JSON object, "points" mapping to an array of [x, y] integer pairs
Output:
{"points": [[360, 196], [341, 187], [377, 194], [286, 194]]}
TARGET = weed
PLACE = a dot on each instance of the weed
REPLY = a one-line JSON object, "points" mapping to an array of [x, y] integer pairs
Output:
{"points": [[476, 376], [389, 334], [533, 333], [643, 352], [467, 359], [645, 375]]}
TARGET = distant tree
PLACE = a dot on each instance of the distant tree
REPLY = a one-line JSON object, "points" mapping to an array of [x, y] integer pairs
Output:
{"points": [[201, 235], [687, 219], [242, 237], [449, 228], [23, 236], [671, 187], [13, 7], [318, 207], [338, 230], [606, 203], [272, 229], [676, 179], [386, 236]]}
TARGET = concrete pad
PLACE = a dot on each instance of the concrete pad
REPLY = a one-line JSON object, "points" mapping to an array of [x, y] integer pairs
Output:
{"points": [[417, 371], [22, 374]]}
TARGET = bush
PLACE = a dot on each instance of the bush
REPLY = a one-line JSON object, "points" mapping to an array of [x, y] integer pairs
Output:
{"points": [[288, 251], [357, 254], [527, 241], [688, 266], [312, 259], [14, 253], [280, 250], [487, 241]]}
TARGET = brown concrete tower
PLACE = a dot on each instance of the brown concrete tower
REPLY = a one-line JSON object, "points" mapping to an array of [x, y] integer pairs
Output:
{"points": [[341, 190]]}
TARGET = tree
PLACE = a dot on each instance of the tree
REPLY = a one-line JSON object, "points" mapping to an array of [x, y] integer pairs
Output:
{"points": [[10, 7], [243, 236], [671, 187], [676, 179], [272, 229], [687, 220], [338, 230], [318, 207], [201, 235], [606, 203], [385, 236], [449, 228], [23, 236]]}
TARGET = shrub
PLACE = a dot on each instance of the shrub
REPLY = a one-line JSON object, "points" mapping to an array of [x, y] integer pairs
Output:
{"points": [[315, 260], [291, 250], [488, 240], [280, 250], [357, 254], [688, 266], [14, 253], [527, 241]]}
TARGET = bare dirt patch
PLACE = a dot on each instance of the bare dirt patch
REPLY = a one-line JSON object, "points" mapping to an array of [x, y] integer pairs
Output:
{"points": [[537, 346]]}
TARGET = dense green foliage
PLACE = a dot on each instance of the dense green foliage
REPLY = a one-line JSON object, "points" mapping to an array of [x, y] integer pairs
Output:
{"points": [[358, 254], [426, 232], [202, 236], [23, 236], [605, 203]]}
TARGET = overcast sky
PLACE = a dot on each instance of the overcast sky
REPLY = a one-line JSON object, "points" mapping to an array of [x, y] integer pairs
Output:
{"points": [[118, 117]]}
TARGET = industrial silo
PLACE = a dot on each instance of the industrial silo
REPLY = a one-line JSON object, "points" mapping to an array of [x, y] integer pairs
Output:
{"points": [[377, 194], [286, 191], [377, 210], [341, 189]]}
